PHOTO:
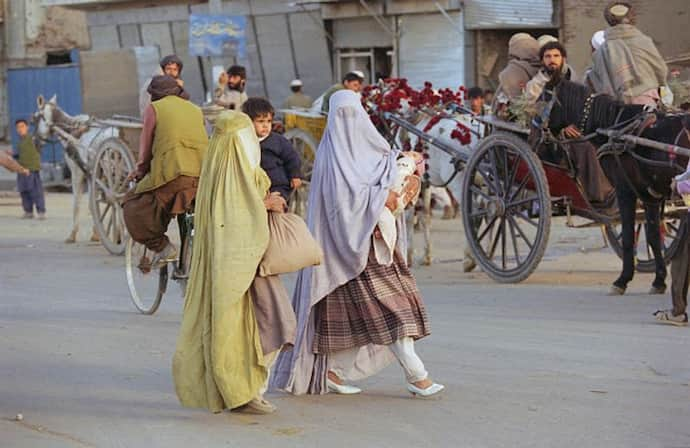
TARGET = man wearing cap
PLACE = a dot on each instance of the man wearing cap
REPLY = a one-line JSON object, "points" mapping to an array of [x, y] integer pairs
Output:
{"points": [[171, 148], [628, 65], [229, 92], [297, 100], [523, 64], [595, 43], [351, 81], [170, 65]]}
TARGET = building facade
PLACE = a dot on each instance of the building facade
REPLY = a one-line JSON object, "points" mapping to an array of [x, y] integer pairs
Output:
{"points": [[447, 42]]}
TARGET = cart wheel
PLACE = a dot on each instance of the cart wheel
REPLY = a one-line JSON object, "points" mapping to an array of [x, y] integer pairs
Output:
{"points": [[108, 186], [506, 208], [305, 145], [673, 231]]}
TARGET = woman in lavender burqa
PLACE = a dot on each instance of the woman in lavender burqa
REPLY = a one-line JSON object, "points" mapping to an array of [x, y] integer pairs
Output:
{"points": [[355, 312]]}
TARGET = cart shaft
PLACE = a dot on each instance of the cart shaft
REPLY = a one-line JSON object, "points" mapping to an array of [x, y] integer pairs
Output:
{"points": [[641, 141], [448, 149]]}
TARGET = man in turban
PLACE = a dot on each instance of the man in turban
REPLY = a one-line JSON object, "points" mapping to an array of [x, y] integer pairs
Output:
{"points": [[523, 64], [172, 146], [628, 65]]}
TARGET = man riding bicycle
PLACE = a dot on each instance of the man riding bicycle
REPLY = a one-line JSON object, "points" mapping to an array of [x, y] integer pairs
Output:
{"points": [[171, 149]]}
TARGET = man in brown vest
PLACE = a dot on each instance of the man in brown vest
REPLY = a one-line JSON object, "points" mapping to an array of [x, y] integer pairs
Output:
{"points": [[172, 147]]}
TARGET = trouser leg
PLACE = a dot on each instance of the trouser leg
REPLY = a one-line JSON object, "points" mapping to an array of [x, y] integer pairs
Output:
{"points": [[146, 220], [27, 202], [38, 195], [403, 349], [680, 272]]}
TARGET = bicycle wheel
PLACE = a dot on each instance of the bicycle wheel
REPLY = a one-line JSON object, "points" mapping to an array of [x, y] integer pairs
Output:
{"points": [[181, 274], [146, 285]]}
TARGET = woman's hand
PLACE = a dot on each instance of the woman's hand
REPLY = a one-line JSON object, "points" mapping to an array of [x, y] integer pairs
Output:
{"points": [[275, 203], [392, 201]]}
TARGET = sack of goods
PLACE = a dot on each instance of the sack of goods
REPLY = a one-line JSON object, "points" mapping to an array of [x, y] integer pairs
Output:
{"points": [[291, 246]]}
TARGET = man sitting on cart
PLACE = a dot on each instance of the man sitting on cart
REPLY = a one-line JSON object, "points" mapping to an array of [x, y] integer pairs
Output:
{"points": [[523, 53], [581, 154], [172, 146]]}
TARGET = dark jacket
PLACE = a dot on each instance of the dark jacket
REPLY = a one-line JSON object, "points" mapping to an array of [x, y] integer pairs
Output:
{"points": [[281, 162]]}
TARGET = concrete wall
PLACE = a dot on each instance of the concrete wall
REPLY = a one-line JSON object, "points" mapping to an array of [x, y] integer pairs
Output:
{"points": [[664, 21], [283, 42]]}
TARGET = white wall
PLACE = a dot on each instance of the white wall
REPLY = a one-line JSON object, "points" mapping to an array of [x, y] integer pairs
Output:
{"points": [[432, 49]]}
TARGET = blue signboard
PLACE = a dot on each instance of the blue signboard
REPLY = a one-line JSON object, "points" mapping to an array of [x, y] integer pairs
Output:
{"points": [[217, 35]]}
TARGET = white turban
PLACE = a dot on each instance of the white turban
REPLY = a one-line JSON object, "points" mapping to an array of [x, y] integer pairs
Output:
{"points": [[598, 39]]}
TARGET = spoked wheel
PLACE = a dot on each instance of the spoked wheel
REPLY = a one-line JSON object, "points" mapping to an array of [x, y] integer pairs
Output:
{"points": [[305, 145], [673, 231], [506, 208], [146, 285], [108, 186]]}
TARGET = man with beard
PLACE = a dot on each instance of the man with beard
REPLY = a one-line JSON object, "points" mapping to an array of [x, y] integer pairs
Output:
{"points": [[553, 59], [596, 186], [230, 92], [171, 65]]}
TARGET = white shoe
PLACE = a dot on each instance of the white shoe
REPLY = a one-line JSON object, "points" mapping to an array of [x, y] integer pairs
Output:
{"points": [[428, 392], [342, 389]]}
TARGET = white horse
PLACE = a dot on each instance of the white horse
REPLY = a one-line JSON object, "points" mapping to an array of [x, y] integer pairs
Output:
{"points": [[53, 121], [441, 173]]}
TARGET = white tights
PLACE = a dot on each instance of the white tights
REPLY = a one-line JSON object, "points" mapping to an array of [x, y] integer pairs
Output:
{"points": [[345, 363], [403, 349]]}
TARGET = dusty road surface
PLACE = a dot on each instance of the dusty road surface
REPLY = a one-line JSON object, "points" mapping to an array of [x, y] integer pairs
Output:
{"points": [[551, 362]]}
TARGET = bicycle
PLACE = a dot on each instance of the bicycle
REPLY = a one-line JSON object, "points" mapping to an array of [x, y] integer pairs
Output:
{"points": [[145, 287]]}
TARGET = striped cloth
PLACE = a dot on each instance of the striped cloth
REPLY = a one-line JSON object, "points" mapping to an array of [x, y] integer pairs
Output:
{"points": [[379, 307]]}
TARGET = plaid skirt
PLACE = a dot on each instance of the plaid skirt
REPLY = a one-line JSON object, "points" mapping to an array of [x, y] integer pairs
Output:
{"points": [[379, 307]]}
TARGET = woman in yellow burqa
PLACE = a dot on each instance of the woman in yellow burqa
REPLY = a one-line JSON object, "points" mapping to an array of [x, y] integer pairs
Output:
{"points": [[234, 322]]}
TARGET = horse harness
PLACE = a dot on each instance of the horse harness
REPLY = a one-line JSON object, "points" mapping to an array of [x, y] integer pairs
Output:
{"points": [[616, 148]]}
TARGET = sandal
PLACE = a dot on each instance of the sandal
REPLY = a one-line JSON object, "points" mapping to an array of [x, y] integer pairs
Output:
{"points": [[667, 317]]}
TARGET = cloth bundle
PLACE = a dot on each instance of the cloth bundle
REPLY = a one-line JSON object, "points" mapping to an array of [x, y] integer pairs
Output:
{"points": [[406, 180], [291, 246]]}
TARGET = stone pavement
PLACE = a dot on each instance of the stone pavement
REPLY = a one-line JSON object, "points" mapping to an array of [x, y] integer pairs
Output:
{"points": [[551, 362]]}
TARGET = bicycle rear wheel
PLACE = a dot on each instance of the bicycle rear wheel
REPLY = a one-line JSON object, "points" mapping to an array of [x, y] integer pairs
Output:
{"points": [[146, 285]]}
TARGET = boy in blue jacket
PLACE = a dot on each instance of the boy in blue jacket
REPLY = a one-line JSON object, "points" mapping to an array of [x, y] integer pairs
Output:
{"points": [[278, 158]]}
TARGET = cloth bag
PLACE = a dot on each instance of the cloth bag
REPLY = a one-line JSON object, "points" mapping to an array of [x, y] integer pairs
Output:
{"points": [[291, 246]]}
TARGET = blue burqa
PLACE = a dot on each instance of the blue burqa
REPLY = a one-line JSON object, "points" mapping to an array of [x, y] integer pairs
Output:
{"points": [[354, 169]]}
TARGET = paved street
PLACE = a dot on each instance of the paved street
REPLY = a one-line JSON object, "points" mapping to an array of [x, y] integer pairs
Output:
{"points": [[551, 362]]}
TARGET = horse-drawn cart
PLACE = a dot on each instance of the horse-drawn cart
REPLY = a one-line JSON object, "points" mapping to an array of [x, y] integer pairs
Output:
{"points": [[99, 153], [509, 196]]}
